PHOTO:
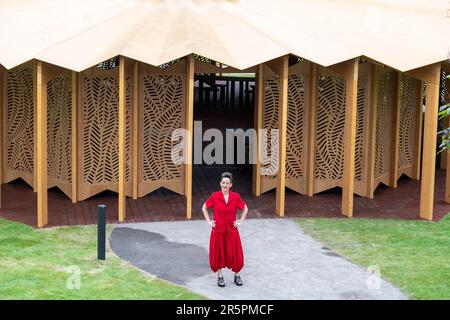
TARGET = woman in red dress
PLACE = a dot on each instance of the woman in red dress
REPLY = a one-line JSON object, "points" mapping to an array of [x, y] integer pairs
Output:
{"points": [[225, 248]]}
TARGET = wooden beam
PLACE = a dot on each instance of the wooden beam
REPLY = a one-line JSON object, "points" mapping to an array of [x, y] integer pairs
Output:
{"points": [[190, 132], [445, 65], [349, 70], [53, 71], [374, 62], [433, 73], [426, 74], [345, 68], [135, 166], [258, 123], [205, 67], [41, 144], [122, 141], [282, 127], [374, 72], [74, 137], [418, 142], [311, 125], [395, 136]]}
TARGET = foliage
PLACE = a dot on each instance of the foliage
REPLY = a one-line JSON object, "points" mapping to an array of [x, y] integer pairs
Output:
{"points": [[445, 133]]}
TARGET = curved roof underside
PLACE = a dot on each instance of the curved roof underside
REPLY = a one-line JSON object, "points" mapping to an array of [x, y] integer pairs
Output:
{"points": [[77, 34]]}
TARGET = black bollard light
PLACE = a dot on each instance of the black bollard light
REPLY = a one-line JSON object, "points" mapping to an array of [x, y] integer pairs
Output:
{"points": [[101, 232]]}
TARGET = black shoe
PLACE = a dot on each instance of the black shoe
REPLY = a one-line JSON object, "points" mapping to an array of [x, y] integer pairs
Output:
{"points": [[220, 282], [238, 280]]}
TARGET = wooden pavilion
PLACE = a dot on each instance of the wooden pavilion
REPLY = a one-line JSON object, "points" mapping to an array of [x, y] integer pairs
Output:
{"points": [[348, 108]]}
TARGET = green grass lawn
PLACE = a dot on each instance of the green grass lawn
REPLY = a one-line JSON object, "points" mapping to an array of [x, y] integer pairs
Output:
{"points": [[412, 254], [43, 264]]}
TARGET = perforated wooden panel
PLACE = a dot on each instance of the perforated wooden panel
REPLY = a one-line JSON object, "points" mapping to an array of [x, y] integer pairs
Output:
{"points": [[362, 130], [59, 137], [270, 122], [385, 106], [329, 131], [408, 125], [19, 128], [296, 127], [445, 92], [359, 140], [128, 129], [444, 99], [330, 123], [99, 131], [162, 112]]}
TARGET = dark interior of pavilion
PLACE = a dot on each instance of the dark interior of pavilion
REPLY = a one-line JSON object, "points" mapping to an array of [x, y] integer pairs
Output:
{"points": [[224, 102]]}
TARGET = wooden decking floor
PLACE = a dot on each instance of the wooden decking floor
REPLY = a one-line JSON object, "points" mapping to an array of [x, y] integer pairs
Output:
{"points": [[19, 202]]}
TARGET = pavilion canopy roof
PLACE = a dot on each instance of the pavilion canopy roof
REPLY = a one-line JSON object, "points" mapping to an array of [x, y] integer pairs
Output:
{"points": [[77, 34]]}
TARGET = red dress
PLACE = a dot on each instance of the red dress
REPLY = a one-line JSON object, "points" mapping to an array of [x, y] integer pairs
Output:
{"points": [[225, 248]]}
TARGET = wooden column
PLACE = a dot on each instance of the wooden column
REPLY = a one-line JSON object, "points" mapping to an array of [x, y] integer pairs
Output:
{"points": [[122, 141], [349, 70], [41, 145], [374, 72], [74, 137], [351, 91], [418, 141], [429, 146], [311, 134], [190, 132], [258, 123], [282, 127], [431, 74], [395, 145], [135, 166], [35, 68], [80, 134]]}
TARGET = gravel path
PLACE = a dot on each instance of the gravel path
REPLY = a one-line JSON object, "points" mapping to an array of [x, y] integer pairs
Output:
{"points": [[281, 262]]}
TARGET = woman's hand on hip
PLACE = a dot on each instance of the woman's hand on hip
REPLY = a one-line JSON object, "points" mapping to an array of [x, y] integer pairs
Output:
{"points": [[237, 224], [212, 223]]}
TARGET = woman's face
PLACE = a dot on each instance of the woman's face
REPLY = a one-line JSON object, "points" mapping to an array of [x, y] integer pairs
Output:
{"points": [[225, 184]]}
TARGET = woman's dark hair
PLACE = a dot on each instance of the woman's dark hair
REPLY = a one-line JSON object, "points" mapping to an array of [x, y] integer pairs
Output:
{"points": [[227, 175]]}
